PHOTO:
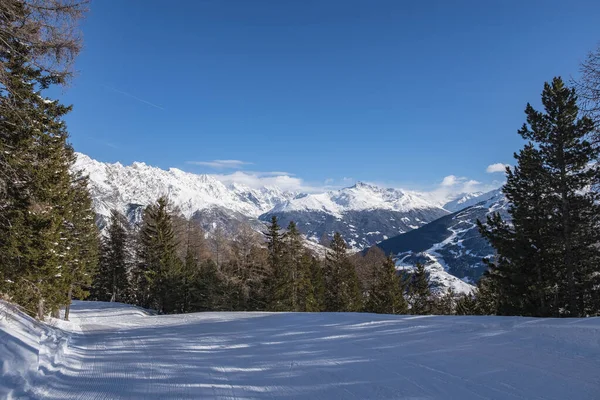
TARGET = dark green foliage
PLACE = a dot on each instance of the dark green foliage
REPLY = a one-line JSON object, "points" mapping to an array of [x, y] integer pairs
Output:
{"points": [[548, 260], [82, 241], [386, 294], [159, 267], [292, 287], [341, 282], [209, 289], [419, 292], [317, 302], [40, 265], [111, 282]]}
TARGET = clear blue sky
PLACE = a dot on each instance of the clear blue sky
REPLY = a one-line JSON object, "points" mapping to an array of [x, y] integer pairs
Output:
{"points": [[400, 92]]}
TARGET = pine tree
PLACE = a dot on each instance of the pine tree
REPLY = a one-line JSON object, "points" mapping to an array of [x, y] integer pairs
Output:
{"points": [[419, 292], [292, 288], [34, 154], [83, 243], [32, 236], [160, 268], [318, 284], [548, 260], [386, 294], [342, 286], [274, 246], [111, 282], [208, 292]]}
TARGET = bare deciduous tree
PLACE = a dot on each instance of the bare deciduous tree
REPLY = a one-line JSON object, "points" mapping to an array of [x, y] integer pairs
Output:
{"points": [[588, 89], [49, 31], [42, 35]]}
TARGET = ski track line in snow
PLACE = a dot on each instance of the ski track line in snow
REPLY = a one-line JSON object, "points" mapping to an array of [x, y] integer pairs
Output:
{"points": [[121, 352]]}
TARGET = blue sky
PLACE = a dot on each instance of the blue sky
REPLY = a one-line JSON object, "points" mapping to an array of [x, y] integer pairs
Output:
{"points": [[402, 93]]}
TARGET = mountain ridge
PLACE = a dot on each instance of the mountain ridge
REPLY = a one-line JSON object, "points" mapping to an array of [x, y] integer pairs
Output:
{"points": [[363, 213]]}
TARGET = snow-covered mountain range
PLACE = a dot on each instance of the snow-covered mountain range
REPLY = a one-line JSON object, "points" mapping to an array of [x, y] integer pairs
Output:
{"points": [[364, 214], [410, 225]]}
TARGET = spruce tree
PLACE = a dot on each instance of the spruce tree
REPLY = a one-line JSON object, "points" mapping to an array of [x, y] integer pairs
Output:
{"points": [[160, 268], [419, 292], [341, 282], [111, 282], [37, 46], [548, 260], [83, 242], [318, 284], [292, 288], [32, 244], [386, 294], [208, 289], [274, 247]]}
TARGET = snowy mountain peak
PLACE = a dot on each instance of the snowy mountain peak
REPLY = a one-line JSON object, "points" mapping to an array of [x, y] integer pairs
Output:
{"points": [[117, 186], [359, 197]]}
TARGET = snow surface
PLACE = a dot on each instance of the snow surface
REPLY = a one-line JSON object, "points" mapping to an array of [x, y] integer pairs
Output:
{"points": [[116, 351]]}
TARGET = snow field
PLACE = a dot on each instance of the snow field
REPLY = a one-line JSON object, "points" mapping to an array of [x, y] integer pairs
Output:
{"points": [[116, 351]]}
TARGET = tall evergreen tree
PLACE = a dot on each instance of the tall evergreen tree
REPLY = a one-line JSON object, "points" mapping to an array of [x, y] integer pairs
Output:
{"points": [[386, 294], [342, 286], [292, 288], [548, 261], [318, 284], [160, 268], [37, 45], [83, 243], [419, 292], [274, 247], [111, 282]]}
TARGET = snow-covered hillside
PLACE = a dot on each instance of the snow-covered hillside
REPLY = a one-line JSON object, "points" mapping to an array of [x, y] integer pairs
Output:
{"points": [[452, 242], [364, 214], [115, 351]]}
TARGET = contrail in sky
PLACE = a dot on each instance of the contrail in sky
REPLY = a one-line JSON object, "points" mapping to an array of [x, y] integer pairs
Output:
{"points": [[133, 97]]}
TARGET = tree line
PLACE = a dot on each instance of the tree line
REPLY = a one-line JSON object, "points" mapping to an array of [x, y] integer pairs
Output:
{"points": [[169, 264]]}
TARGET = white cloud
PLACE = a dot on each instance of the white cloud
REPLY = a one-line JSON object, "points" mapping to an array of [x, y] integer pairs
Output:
{"points": [[221, 164], [451, 180], [452, 186], [447, 189], [498, 167], [256, 180]]}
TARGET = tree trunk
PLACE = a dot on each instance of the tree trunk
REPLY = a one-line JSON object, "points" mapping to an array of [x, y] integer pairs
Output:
{"points": [[567, 256], [68, 306], [40, 309]]}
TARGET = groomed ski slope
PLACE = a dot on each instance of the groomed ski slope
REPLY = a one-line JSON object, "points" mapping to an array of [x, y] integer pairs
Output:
{"points": [[115, 351]]}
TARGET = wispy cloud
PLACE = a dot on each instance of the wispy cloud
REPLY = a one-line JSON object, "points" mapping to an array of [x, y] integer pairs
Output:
{"points": [[257, 180], [222, 164], [498, 167], [133, 97]]}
